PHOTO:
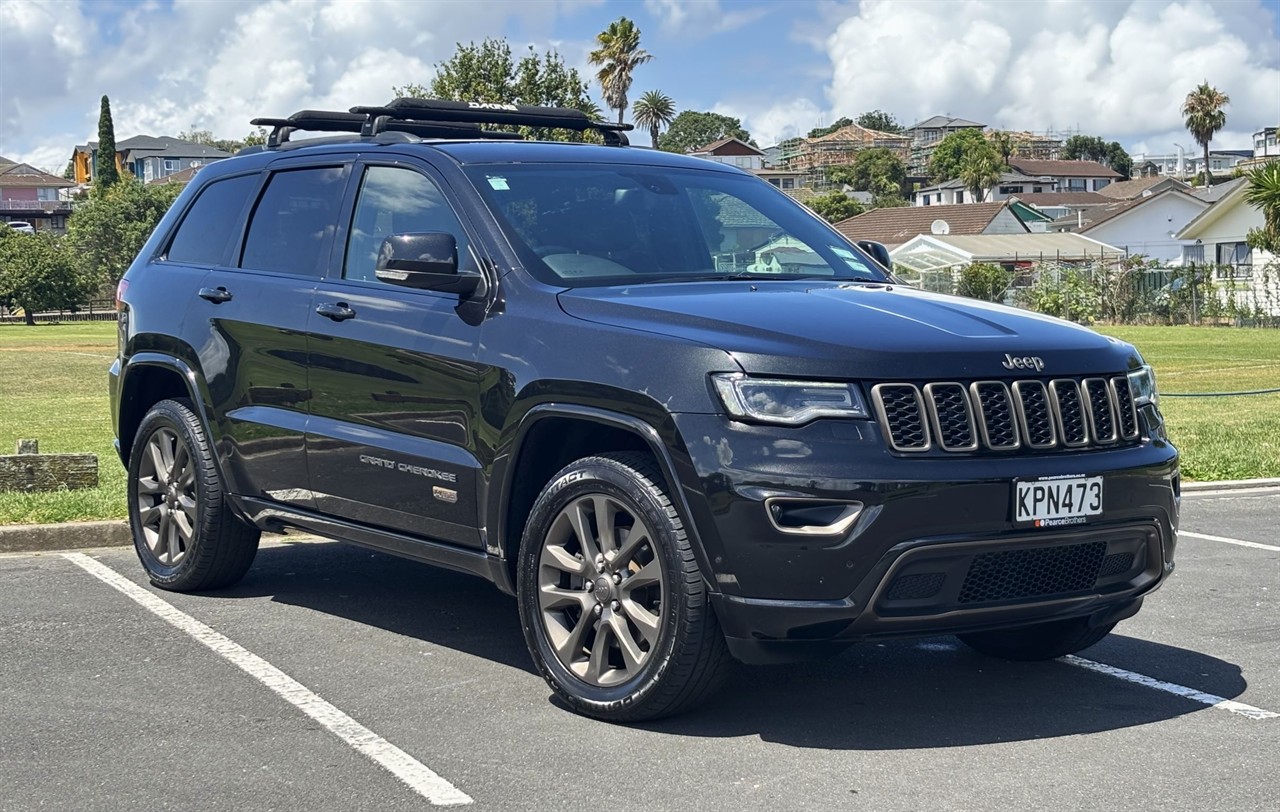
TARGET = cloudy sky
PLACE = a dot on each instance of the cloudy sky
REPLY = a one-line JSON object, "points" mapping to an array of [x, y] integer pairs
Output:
{"points": [[1115, 68]]}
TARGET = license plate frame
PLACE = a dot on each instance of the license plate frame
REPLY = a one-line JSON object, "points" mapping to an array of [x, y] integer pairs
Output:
{"points": [[1057, 501]]}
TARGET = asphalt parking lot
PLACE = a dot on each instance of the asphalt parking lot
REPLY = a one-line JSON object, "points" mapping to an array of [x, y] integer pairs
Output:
{"points": [[330, 671]]}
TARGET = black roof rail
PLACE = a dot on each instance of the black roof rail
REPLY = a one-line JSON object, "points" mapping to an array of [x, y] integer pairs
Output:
{"points": [[518, 115], [340, 122]]}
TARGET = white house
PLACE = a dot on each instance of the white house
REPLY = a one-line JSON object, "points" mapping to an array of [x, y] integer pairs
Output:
{"points": [[1264, 143], [1218, 236], [1025, 177], [1143, 225], [733, 152]]}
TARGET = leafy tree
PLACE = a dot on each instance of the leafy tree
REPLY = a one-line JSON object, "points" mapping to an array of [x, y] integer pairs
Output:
{"points": [[984, 280], [654, 111], [254, 139], [617, 57], [957, 149], [109, 230], [691, 130], [835, 206], [489, 73], [105, 173], [1064, 292], [38, 272], [818, 132], [1264, 193], [1093, 148], [877, 170], [879, 120], [1204, 116]]}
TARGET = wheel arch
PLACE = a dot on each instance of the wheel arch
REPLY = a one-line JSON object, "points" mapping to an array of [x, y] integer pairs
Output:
{"points": [[541, 448], [147, 379]]}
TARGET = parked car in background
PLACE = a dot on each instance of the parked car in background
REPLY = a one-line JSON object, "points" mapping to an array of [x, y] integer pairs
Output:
{"points": [[22, 226]]}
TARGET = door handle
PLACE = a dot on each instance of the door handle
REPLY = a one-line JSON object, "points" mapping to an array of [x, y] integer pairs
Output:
{"points": [[216, 295], [338, 311]]}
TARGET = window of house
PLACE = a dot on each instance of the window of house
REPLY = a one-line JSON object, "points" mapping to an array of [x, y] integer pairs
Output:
{"points": [[394, 200], [293, 221], [206, 229], [788, 183], [960, 197], [1192, 254], [171, 164], [1098, 183], [1037, 189], [775, 182], [1010, 190], [926, 199], [1076, 185], [1233, 253]]}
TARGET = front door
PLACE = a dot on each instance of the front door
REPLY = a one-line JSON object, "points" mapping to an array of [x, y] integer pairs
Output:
{"points": [[394, 381]]}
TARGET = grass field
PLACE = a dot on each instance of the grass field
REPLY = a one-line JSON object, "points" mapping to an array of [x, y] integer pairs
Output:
{"points": [[53, 387]]}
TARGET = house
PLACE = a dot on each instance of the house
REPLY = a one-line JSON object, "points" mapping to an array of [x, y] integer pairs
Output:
{"points": [[839, 148], [181, 176], [733, 152], [785, 179], [1142, 187], [1069, 176], [934, 260], [1218, 236], [1217, 191], [146, 157], [895, 226], [28, 194], [925, 135], [1056, 205], [1264, 143], [954, 192], [1142, 225]]}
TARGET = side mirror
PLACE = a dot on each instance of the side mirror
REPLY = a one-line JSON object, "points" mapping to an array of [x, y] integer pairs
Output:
{"points": [[878, 252], [426, 261]]}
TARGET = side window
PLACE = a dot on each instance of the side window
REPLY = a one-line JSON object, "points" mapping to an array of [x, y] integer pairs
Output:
{"points": [[395, 200], [293, 220], [206, 229]]}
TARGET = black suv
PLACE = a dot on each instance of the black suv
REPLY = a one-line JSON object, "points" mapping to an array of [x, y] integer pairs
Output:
{"points": [[677, 415]]}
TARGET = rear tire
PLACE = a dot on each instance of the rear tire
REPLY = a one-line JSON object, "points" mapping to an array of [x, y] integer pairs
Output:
{"points": [[1042, 641], [615, 611], [184, 532]]}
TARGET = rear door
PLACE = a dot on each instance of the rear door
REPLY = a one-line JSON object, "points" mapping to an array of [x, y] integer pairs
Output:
{"points": [[395, 387], [254, 317]]}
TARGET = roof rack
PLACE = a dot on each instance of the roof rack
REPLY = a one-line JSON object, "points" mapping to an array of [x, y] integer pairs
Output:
{"points": [[519, 115], [339, 122]]}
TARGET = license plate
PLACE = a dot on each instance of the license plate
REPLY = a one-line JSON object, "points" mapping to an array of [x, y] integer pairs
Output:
{"points": [[1056, 502]]}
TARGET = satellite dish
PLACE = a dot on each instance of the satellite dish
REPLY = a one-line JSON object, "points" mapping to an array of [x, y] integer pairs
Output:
{"points": [[940, 227]]}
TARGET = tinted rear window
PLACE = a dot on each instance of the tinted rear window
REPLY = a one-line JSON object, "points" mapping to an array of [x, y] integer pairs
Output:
{"points": [[294, 220], [206, 229]]}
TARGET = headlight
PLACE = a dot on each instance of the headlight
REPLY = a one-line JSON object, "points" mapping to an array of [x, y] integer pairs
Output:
{"points": [[788, 402], [1142, 385]]}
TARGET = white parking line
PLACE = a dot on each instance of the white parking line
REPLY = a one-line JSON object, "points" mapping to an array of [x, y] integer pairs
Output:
{"points": [[1226, 540], [1172, 688], [412, 772]]}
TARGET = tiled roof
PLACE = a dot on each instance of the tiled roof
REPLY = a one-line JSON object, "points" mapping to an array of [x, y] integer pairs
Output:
{"points": [[1063, 169], [1129, 189], [937, 122], [1218, 191], [894, 226], [715, 145], [1064, 199], [12, 175], [148, 145], [1094, 216], [735, 213], [182, 176]]}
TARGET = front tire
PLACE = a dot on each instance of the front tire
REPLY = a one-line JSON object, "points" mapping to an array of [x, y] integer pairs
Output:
{"points": [[614, 608], [1042, 641], [184, 532]]}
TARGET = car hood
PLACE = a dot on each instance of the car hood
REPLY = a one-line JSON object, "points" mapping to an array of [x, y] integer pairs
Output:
{"points": [[829, 329]]}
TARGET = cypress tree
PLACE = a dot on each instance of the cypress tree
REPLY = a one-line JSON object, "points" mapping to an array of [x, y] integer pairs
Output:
{"points": [[105, 173]]}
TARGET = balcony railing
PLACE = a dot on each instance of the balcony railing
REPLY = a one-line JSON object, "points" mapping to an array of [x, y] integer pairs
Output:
{"points": [[49, 206]]}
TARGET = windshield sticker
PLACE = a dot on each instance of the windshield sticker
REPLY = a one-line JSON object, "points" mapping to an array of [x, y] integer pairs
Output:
{"points": [[500, 184]]}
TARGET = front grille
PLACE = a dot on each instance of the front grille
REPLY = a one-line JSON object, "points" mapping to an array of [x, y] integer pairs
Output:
{"points": [[992, 416], [1036, 573], [915, 586], [1115, 564]]}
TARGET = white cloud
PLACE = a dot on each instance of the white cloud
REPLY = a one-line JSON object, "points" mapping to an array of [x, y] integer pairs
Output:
{"points": [[216, 65], [778, 122], [694, 18], [1119, 70]]}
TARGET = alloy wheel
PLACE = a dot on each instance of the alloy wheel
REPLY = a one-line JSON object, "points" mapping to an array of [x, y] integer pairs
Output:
{"points": [[601, 590], [166, 488]]}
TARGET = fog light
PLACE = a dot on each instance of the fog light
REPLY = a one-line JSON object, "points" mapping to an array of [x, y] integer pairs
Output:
{"points": [[811, 517]]}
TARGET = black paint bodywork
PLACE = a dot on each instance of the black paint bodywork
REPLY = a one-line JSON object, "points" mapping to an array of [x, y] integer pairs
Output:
{"points": [[353, 427]]}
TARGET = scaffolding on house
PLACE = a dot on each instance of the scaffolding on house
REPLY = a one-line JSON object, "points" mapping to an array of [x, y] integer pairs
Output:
{"points": [[814, 156]]}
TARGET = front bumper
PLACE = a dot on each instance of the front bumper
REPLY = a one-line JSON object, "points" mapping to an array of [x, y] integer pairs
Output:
{"points": [[934, 549]]}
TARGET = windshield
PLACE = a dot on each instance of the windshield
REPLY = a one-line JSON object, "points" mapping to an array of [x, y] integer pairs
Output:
{"points": [[616, 224]]}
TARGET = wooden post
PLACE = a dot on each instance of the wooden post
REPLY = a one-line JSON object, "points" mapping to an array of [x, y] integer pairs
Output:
{"points": [[30, 471]]}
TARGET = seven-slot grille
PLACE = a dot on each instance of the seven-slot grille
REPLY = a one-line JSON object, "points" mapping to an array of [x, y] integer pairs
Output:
{"points": [[993, 416]]}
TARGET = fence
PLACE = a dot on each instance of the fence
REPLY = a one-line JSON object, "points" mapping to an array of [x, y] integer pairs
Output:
{"points": [[96, 310]]}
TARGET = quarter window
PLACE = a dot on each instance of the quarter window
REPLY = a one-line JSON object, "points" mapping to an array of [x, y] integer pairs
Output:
{"points": [[294, 220], [396, 201], [206, 229]]}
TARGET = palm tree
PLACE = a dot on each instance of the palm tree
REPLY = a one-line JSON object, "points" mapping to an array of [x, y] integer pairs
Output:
{"points": [[1204, 117], [618, 55], [655, 111], [1264, 193], [980, 171]]}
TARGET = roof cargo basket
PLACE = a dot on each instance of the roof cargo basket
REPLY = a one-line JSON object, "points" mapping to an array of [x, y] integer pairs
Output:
{"points": [[338, 122], [518, 115]]}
